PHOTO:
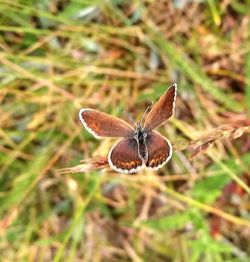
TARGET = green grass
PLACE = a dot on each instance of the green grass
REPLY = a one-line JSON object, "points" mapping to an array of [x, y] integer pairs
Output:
{"points": [[59, 56]]}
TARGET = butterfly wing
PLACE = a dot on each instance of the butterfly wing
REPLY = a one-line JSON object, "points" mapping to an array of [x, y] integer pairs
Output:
{"points": [[162, 110], [100, 124], [159, 150], [123, 156]]}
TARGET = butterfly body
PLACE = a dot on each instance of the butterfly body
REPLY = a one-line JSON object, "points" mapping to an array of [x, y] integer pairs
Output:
{"points": [[141, 146], [140, 135]]}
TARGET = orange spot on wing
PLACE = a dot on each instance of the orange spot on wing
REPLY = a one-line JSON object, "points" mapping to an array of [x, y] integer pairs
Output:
{"points": [[128, 165], [132, 164], [160, 158]]}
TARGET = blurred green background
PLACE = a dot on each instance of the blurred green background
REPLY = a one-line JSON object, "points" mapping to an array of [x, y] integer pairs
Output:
{"points": [[61, 55]]}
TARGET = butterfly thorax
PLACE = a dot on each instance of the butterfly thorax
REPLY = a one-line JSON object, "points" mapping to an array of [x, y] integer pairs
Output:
{"points": [[140, 135]]}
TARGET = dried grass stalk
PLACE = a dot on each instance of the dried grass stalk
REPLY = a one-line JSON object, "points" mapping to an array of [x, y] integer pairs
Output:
{"points": [[196, 148]]}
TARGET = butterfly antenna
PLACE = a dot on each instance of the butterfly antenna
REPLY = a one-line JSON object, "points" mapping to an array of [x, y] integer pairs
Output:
{"points": [[145, 112], [128, 115]]}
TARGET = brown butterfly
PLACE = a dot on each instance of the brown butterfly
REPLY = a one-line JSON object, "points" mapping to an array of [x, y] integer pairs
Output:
{"points": [[139, 146]]}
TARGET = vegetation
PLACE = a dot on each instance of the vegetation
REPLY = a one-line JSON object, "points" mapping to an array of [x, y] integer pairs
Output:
{"points": [[61, 55]]}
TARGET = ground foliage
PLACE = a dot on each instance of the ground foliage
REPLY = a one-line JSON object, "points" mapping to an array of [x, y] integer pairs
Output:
{"points": [[58, 56]]}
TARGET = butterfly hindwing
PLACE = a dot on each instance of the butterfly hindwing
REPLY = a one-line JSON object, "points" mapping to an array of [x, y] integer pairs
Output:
{"points": [[123, 156], [159, 150]]}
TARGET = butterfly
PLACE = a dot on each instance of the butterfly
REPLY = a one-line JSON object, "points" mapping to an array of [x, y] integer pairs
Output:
{"points": [[139, 146]]}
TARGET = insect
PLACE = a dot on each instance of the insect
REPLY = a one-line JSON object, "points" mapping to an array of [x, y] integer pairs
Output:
{"points": [[140, 146]]}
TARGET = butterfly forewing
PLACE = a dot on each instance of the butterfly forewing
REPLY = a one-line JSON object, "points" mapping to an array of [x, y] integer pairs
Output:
{"points": [[162, 110], [159, 150], [103, 125], [123, 156]]}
